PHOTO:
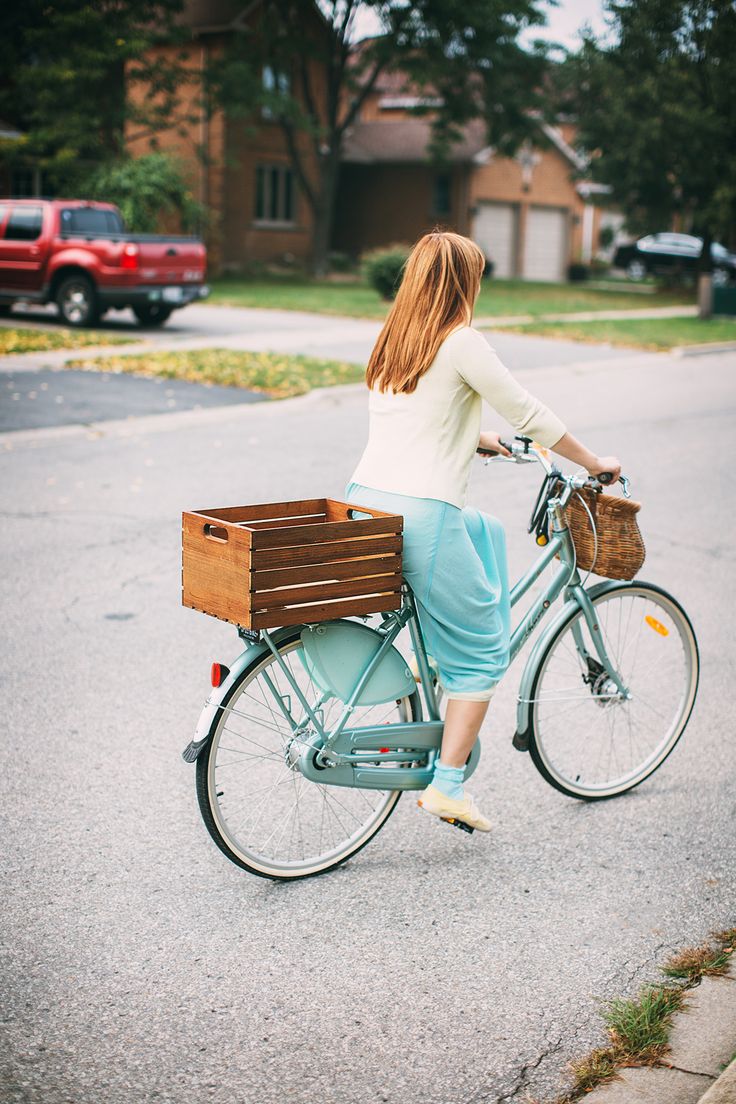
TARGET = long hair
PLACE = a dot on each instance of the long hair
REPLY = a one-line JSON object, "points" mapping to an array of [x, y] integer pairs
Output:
{"points": [[438, 292]]}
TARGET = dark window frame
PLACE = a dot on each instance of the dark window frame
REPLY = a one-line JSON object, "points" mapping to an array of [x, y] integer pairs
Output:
{"points": [[442, 194], [275, 195]]}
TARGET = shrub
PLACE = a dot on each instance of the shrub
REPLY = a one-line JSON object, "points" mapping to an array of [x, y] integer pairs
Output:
{"points": [[148, 190], [383, 268], [340, 262], [577, 271]]}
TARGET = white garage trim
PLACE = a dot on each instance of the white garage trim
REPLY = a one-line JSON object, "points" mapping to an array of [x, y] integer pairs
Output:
{"points": [[545, 243], [495, 229]]}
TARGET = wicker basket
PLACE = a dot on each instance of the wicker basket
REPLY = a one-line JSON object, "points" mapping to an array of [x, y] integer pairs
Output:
{"points": [[619, 552], [286, 563]]}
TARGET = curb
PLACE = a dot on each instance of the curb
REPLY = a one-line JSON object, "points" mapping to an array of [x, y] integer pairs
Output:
{"points": [[702, 1037], [698, 350], [723, 1091]]}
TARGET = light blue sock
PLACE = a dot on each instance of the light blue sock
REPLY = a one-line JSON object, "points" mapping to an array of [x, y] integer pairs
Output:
{"points": [[448, 780]]}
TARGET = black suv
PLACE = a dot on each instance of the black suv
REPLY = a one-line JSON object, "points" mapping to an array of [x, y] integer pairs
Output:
{"points": [[673, 254]]}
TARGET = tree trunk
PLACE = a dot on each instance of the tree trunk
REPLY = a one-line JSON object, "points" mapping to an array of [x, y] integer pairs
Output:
{"points": [[705, 278], [324, 215]]}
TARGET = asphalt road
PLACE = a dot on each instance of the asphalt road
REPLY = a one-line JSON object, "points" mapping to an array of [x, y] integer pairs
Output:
{"points": [[139, 965]]}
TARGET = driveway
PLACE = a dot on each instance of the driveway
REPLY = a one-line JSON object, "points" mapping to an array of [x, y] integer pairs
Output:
{"points": [[140, 966]]}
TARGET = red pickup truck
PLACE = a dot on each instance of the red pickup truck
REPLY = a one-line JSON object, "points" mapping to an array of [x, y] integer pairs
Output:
{"points": [[78, 255]]}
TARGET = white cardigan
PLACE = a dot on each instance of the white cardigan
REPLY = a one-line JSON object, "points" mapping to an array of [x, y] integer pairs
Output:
{"points": [[422, 443]]}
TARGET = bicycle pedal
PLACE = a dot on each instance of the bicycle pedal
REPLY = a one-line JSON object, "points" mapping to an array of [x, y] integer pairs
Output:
{"points": [[459, 824]]}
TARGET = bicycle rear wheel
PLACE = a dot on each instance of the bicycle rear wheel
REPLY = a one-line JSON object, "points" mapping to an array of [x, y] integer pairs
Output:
{"points": [[586, 739], [258, 807]]}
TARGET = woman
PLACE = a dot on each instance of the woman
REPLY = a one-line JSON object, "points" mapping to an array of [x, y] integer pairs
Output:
{"points": [[427, 375]]}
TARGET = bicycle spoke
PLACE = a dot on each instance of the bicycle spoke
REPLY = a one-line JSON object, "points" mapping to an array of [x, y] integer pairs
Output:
{"points": [[264, 807], [600, 742]]}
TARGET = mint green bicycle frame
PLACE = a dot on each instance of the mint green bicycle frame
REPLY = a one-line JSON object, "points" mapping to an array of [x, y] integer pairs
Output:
{"points": [[360, 757]]}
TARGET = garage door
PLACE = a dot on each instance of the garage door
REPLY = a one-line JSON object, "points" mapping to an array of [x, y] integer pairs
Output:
{"points": [[545, 247], [494, 229]]}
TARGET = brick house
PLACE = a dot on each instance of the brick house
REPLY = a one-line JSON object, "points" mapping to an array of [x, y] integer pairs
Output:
{"points": [[239, 168], [528, 214]]}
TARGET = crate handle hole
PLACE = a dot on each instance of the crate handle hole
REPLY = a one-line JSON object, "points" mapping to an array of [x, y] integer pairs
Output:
{"points": [[215, 532], [358, 515]]}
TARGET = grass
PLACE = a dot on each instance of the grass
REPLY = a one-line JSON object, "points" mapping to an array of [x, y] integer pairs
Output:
{"points": [[354, 298], [639, 333], [638, 1029], [275, 374], [20, 340], [710, 960]]}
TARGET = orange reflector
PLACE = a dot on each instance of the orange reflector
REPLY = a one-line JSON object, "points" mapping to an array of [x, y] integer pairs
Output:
{"points": [[656, 625]]}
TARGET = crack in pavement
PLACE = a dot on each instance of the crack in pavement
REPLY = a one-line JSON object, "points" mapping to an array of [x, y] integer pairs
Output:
{"points": [[681, 1069], [526, 1070]]}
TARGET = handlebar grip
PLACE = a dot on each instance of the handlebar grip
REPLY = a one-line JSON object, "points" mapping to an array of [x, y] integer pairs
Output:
{"points": [[493, 452], [605, 477]]}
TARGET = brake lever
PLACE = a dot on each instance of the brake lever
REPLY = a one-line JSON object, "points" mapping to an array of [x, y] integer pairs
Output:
{"points": [[605, 478]]}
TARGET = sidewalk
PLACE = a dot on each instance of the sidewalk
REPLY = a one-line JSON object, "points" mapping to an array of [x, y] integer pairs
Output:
{"points": [[585, 316], [702, 1041]]}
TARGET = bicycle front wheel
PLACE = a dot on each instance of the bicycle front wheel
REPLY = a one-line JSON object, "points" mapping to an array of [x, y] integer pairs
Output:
{"points": [[256, 804], [587, 739]]}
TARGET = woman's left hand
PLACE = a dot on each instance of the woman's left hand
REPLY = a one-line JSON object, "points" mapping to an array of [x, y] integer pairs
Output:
{"points": [[490, 440]]}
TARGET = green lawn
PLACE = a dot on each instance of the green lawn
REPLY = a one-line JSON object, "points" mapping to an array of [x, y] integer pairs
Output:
{"points": [[19, 340], [497, 297], [641, 333], [277, 375]]}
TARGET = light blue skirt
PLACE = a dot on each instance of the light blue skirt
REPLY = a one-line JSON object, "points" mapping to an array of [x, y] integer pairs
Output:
{"points": [[454, 560]]}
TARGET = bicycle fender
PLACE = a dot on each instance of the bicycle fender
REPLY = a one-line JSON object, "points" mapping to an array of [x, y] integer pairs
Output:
{"points": [[524, 704], [337, 652], [221, 694]]}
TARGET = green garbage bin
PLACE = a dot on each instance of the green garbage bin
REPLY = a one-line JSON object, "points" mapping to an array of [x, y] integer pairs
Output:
{"points": [[724, 300]]}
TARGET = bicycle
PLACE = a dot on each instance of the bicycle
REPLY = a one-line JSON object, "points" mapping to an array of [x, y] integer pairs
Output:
{"points": [[307, 742]]}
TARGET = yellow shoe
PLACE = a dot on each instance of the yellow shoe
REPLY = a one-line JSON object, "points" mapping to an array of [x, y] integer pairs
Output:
{"points": [[462, 814], [414, 667]]}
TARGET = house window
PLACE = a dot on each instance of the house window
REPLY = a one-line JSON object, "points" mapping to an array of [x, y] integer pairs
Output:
{"points": [[25, 183], [276, 83], [274, 194], [441, 194]]}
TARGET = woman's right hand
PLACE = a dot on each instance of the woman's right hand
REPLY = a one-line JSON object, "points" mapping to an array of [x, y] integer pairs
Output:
{"points": [[610, 464]]}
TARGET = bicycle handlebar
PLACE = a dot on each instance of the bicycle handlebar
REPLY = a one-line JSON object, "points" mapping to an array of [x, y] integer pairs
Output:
{"points": [[522, 450]]}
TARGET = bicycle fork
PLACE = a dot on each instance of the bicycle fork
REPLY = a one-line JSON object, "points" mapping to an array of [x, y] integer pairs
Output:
{"points": [[603, 678]]}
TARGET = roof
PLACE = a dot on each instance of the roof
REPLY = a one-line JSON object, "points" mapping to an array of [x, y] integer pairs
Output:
{"points": [[406, 140]]}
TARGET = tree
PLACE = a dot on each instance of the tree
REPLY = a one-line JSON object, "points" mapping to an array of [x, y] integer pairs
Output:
{"points": [[301, 64], [657, 115], [63, 67]]}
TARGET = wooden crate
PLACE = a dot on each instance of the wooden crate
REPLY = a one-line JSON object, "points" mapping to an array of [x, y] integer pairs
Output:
{"points": [[285, 563]]}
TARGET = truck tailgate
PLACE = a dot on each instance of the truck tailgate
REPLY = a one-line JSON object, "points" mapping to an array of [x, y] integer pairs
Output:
{"points": [[170, 261]]}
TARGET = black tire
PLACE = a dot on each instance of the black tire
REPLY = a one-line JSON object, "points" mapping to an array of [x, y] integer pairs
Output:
{"points": [[5, 310], [636, 269], [152, 314], [203, 788], [76, 299], [538, 758]]}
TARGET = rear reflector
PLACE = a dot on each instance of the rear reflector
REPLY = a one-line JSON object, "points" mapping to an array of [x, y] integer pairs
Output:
{"points": [[218, 674]]}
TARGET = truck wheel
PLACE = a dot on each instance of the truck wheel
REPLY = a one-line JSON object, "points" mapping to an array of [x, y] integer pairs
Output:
{"points": [[152, 314], [77, 301]]}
